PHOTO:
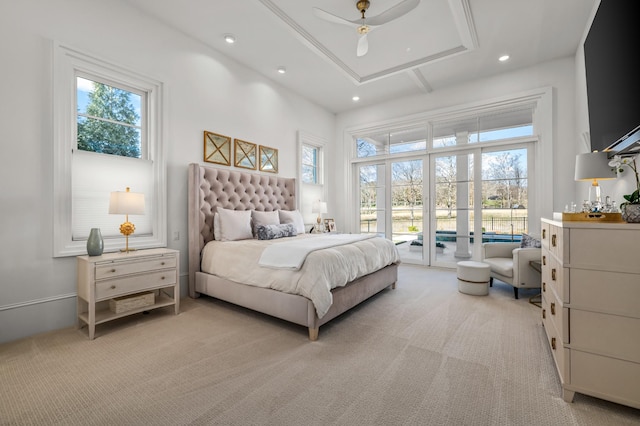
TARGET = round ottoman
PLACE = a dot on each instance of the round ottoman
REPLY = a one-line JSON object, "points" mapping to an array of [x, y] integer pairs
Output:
{"points": [[473, 278]]}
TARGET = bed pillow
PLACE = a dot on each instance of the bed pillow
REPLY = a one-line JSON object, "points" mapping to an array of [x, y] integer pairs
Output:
{"points": [[294, 217], [271, 232], [529, 241], [216, 227], [264, 218], [235, 224]]}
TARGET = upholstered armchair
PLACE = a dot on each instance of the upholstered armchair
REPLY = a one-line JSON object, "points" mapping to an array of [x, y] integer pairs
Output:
{"points": [[510, 263]]}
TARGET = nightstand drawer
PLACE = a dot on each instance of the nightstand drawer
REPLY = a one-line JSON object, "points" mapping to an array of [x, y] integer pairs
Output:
{"points": [[115, 269], [130, 284]]}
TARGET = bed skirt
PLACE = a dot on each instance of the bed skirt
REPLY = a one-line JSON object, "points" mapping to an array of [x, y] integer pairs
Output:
{"points": [[294, 308]]}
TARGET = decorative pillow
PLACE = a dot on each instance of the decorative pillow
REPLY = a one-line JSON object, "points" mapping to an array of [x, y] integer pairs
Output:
{"points": [[234, 224], [294, 217], [271, 232], [530, 242], [264, 218]]}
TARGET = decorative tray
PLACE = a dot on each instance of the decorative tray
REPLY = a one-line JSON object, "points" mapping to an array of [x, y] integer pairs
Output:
{"points": [[592, 217]]}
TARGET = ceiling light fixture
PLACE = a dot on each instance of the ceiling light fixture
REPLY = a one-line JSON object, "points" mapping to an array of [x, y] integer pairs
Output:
{"points": [[282, 70], [355, 98], [503, 58], [230, 38]]}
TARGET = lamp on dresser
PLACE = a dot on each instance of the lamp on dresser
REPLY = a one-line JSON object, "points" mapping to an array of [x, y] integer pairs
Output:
{"points": [[126, 203], [593, 166]]}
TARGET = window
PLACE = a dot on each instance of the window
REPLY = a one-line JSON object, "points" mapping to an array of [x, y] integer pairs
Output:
{"points": [[397, 141], [310, 164], [108, 136]]}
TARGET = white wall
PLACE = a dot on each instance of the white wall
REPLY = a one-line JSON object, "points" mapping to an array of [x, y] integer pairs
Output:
{"points": [[205, 91], [559, 74]]}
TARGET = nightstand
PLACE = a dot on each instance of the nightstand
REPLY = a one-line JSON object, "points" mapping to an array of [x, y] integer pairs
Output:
{"points": [[102, 279]]}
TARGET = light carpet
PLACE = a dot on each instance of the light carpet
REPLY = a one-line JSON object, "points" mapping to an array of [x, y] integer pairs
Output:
{"points": [[422, 354]]}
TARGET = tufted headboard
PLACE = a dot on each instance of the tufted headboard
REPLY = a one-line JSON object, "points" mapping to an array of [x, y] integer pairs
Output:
{"points": [[210, 188]]}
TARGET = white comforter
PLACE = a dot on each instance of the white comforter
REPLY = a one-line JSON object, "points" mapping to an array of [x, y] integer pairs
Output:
{"points": [[322, 270]]}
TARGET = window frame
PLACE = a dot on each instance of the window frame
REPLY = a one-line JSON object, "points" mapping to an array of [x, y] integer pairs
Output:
{"points": [[67, 65]]}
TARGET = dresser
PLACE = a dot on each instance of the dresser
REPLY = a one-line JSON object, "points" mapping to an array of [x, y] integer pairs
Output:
{"points": [[591, 307], [124, 276]]}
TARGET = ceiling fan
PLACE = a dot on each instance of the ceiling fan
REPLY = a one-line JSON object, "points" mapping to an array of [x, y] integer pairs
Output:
{"points": [[365, 24]]}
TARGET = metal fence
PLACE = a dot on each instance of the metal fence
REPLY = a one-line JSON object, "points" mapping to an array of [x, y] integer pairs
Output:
{"points": [[499, 225]]}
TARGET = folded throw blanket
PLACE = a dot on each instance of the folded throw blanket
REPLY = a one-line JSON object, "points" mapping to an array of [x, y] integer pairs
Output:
{"points": [[292, 254]]}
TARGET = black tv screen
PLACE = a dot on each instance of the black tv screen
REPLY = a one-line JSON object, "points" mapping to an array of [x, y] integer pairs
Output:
{"points": [[611, 49]]}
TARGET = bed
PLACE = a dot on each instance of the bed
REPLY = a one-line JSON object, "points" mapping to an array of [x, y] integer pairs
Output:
{"points": [[213, 188]]}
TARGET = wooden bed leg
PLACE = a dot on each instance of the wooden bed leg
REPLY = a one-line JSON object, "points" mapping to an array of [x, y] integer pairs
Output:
{"points": [[313, 334]]}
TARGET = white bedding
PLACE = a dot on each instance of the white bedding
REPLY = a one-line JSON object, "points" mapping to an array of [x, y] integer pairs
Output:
{"points": [[292, 252], [322, 270]]}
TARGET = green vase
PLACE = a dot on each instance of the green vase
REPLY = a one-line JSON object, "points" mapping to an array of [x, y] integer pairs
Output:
{"points": [[95, 244], [631, 213]]}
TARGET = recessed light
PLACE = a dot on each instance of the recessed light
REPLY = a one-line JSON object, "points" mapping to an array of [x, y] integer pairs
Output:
{"points": [[282, 70], [503, 58], [230, 38], [355, 98]]}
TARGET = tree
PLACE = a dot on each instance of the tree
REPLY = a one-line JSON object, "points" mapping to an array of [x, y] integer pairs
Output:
{"points": [[109, 125]]}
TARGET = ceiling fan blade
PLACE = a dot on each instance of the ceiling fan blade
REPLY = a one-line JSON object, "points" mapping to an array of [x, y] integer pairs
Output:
{"points": [[333, 18], [394, 12], [363, 45]]}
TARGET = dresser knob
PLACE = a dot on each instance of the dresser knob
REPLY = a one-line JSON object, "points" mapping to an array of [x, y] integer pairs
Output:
{"points": [[553, 343], [162, 277], [553, 308], [544, 286], [544, 234], [162, 263], [553, 240], [544, 314], [553, 274], [113, 287], [113, 270], [544, 260]]}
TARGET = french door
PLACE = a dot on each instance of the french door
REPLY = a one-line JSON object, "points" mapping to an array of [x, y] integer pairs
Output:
{"points": [[438, 208]]}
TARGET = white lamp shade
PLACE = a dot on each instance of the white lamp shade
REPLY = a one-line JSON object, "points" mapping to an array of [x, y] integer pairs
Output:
{"points": [[593, 165], [126, 203], [319, 207]]}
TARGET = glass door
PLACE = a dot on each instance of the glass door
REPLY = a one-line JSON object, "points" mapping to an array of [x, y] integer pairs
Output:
{"points": [[407, 209], [373, 198], [453, 229]]}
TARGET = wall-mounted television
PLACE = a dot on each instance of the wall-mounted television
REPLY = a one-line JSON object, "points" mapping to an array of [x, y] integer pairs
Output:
{"points": [[611, 49]]}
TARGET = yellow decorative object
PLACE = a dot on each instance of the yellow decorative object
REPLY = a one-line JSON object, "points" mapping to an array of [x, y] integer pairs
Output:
{"points": [[126, 203]]}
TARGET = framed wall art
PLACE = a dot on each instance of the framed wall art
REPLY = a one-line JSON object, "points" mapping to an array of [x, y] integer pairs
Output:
{"points": [[217, 148], [329, 225], [245, 154], [268, 159]]}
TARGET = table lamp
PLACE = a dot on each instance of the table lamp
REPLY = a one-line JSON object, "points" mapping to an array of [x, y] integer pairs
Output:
{"points": [[126, 203], [319, 207], [593, 166]]}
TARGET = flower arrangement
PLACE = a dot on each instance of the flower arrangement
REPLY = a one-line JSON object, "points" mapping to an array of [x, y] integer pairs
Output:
{"points": [[617, 164]]}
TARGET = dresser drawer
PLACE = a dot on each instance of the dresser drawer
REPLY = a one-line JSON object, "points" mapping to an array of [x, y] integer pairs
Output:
{"points": [[553, 311], [606, 334], [557, 278], [604, 377], [560, 354], [110, 270], [613, 292], [133, 283]]}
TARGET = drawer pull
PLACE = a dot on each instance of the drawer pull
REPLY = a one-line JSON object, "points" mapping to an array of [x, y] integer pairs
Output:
{"points": [[553, 343], [544, 286], [553, 240], [553, 308], [162, 277], [162, 263], [544, 314], [113, 270], [553, 274], [544, 260], [544, 234], [113, 287]]}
